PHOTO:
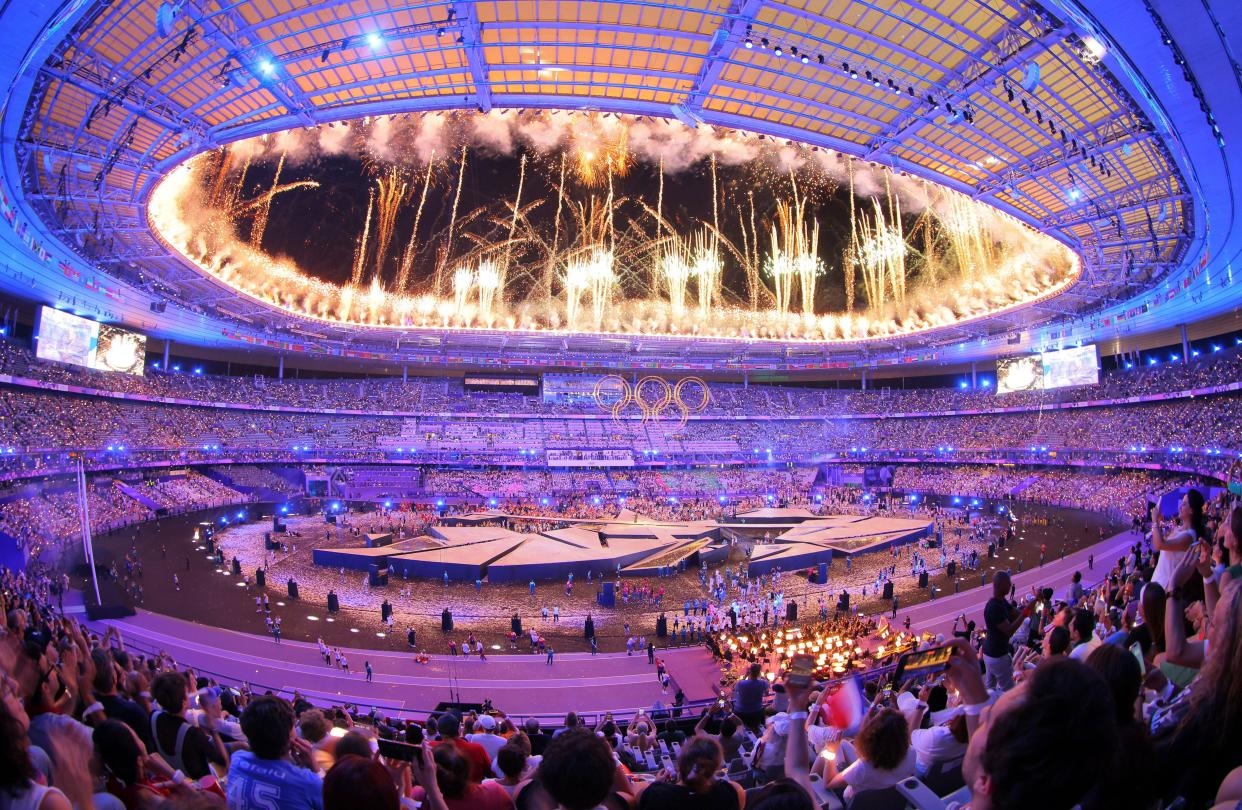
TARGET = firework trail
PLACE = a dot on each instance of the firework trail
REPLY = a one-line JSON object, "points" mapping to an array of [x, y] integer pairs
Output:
{"points": [[407, 257], [393, 188], [360, 253], [448, 241], [259, 224]]}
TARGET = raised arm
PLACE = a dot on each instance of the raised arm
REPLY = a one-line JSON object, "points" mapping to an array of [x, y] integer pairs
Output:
{"points": [[1177, 648], [797, 758]]}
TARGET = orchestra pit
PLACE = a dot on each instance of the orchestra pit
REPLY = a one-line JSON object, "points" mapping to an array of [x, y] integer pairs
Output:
{"points": [[519, 405]]}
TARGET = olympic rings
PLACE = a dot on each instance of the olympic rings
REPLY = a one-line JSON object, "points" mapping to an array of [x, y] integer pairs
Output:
{"points": [[651, 408]]}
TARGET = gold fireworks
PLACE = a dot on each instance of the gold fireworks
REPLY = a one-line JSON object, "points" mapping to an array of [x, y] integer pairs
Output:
{"points": [[614, 264]]}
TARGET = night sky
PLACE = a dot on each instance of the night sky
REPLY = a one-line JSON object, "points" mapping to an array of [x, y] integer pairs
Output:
{"points": [[318, 228]]}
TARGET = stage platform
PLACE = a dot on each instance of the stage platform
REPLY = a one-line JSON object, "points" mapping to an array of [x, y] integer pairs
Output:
{"points": [[477, 546]]}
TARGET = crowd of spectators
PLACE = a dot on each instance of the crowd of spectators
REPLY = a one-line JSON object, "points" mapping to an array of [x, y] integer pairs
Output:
{"points": [[46, 518], [1116, 689], [436, 395]]}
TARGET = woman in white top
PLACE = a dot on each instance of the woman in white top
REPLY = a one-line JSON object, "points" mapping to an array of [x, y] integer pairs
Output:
{"points": [[18, 788], [884, 756], [1173, 548]]}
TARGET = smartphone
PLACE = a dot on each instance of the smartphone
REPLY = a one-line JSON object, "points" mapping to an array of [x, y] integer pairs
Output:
{"points": [[935, 659], [1137, 652], [404, 752], [801, 668]]}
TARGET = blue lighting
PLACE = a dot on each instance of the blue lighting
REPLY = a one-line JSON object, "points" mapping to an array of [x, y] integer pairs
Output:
{"points": [[957, 500], [111, 448], [284, 510], [723, 499], [267, 67], [491, 501], [388, 504], [543, 501], [621, 499], [1215, 348], [1151, 361], [672, 500], [336, 506], [1000, 509], [963, 385], [819, 498], [986, 383], [1174, 358], [176, 366], [1129, 364], [1194, 352], [374, 40], [440, 502], [198, 370], [595, 499], [241, 515]]}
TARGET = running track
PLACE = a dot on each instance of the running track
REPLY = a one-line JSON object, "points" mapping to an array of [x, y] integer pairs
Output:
{"points": [[520, 684]]}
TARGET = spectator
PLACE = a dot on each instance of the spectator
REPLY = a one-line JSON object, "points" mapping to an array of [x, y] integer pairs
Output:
{"points": [[125, 762], [357, 782], [278, 770], [748, 695], [1001, 621], [19, 787], [1082, 633], [884, 756], [1129, 781], [538, 739], [696, 786], [1173, 548], [1019, 755], [185, 747], [578, 771], [313, 725], [486, 736], [116, 706], [449, 726], [459, 790], [1199, 733], [511, 761]]}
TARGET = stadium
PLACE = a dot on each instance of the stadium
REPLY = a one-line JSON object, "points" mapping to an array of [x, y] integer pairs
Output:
{"points": [[620, 404]]}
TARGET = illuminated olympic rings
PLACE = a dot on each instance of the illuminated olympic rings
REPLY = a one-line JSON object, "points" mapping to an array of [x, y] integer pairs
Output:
{"points": [[613, 393]]}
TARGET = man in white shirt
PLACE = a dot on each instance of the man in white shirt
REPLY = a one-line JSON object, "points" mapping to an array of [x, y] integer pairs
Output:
{"points": [[1082, 633], [486, 736]]}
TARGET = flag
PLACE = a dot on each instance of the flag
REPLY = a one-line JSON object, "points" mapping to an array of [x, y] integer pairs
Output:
{"points": [[844, 708]]}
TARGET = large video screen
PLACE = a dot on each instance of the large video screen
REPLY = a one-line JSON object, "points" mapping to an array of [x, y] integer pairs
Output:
{"points": [[1019, 374], [1068, 367], [67, 338], [120, 350]]}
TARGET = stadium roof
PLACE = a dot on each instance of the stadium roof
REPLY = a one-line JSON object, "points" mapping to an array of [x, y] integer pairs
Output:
{"points": [[1032, 109]]}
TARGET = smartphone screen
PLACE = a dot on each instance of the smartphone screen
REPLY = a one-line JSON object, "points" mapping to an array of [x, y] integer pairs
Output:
{"points": [[1137, 652], [922, 662], [800, 670], [404, 752]]}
